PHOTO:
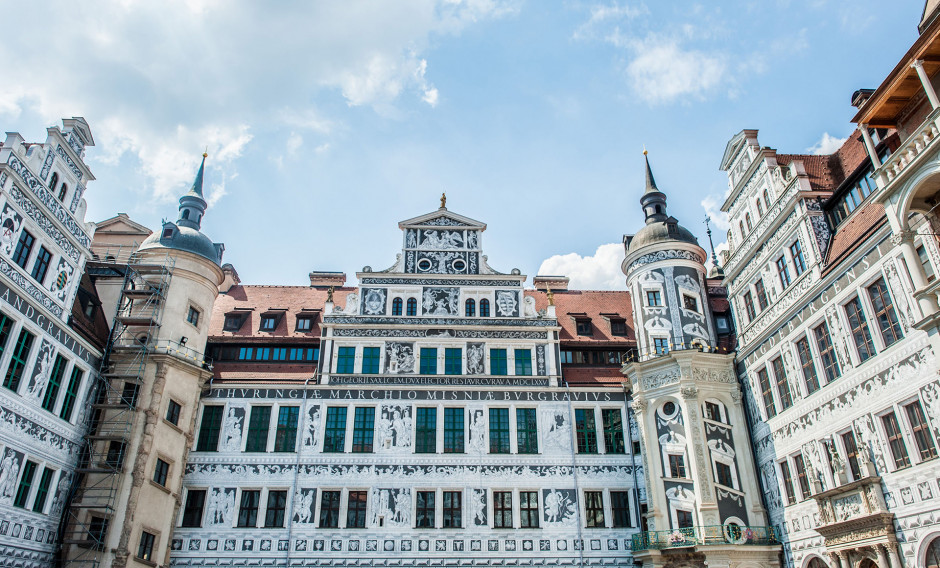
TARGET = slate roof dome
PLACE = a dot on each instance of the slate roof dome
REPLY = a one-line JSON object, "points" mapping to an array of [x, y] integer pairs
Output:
{"points": [[184, 234], [660, 227]]}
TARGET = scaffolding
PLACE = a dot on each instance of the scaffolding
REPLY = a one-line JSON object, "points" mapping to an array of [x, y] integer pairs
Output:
{"points": [[96, 486]]}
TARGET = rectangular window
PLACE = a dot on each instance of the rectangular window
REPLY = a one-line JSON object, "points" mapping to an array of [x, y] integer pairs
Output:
{"points": [[586, 430], [41, 266], [498, 362], [26, 483], [356, 509], [274, 512], [453, 361], [808, 366], [334, 439], [145, 547], [925, 262], [129, 394], [209, 429], [801, 478], [346, 360], [723, 474], [660, 345], [453, 430], [712, 411], [268, 323], [424, 510], [193, 316], [502, 509], [453, 517], [523, 362], [620, 508], [851, 454], [761, 293], [859, 326], [285, 437], [527, 431], [799, 263], [329, 509], [115, 456], [613, 431], [921, 431], [370, 360], [160, 472], [676, 466], [248, 508], [783, 385], [428, 361], [71, 393], [749, 306], [233, 322], [885, 314], [529, 509], [173, 409], [304, 323], [895, 441], [783, 271], [258, 426], [18, 360], [6, 326], [363, 429], [499, 430], [23, 247], [764, 379], [425, 430], [42, 492], [827, 353], [594, 509], [618, 327], [97, 531], [653, 298], [584, 327], [192, 512], [787, 482], [684, 519], [55, 380], [689, 303]]}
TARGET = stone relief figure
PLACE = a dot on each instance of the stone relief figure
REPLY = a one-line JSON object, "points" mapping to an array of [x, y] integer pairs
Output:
{"points": [[313, 426], [472, 242], [695, 330], [395, 428], [507, 303], [838, 337], [220, 508], [866, 433], [10, 222], [304, 506], [42, 370], [392, 505], [373, 303], [478, 506], [770, 486], [410, 240], [686, 282], [529, 307], [558, 430], [441, 239], [477, 432], [931, 394], [399, 358], [232, 432], [559, 507], [838, 464], [62, 490], [9, 472], [815, 459], [899, 295], [475, 354]]}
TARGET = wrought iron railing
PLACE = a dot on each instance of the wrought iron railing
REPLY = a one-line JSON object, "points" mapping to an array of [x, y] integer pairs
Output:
{"points": [[705, 536]]}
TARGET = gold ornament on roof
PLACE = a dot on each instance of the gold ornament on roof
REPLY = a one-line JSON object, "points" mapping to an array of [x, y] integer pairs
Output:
{"points": [[329, 294], [206, 153], [551, 297], [443, 200]]}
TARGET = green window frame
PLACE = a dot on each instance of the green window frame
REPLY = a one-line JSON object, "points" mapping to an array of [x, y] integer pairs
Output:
{"points": [[363, 429], [55, 381], [594, 509], [523, 362], [428, 361], [6, 326], [613, 431], [370, 360], [425, 430], [586, 430], [454, 424], [356, 509], [258, 426], [334, 439], [329, 509], [210, 428], [192, 512], [285, 437], [346, 360], [527, 431], [42, 492], [453, 361], [18, 361], [274, 512], [248, 509], [498, 364], [26, 483], [499, 430]]}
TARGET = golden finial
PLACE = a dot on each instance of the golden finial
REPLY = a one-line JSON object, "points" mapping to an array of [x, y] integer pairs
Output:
{"points": [[206, 153], [644, 149], [551, 297], [329, 294], [443, 200]]}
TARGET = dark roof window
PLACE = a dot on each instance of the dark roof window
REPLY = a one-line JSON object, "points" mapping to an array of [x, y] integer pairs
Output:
{"points": [[584, 327], [618, 327], [233, 322], [269, 322]]}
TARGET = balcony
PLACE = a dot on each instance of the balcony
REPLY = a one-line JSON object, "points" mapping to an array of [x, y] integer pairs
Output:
{"points": [[716, 535], [912, 148]]}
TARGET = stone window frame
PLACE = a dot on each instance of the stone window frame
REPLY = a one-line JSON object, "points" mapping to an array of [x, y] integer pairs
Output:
{"points": [[155, 551]]}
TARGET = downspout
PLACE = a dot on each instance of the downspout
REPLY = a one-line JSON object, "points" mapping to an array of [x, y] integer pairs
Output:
{"points": [[636, 501], [574, 472]]}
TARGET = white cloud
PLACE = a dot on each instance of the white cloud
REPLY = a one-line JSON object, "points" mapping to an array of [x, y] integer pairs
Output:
{"points": [[598, 272], [662, 71], [719, 219], [826, 145], [294, 142], [603, 16]]}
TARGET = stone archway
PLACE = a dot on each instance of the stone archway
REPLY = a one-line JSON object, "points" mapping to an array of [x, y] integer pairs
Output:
{"points": [[817, 562], [931, 554], [867, 563]]}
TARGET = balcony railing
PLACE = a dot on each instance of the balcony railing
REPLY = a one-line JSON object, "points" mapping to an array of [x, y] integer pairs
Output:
{"points": [[729, 534], [910, 149]]}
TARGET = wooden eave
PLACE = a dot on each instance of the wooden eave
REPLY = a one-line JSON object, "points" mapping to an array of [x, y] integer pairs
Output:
{"points": [[902, 84]]}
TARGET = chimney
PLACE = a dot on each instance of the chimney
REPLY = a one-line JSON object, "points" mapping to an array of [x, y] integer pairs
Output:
{"points": [[556, 283], [230, 277], [861, 96], [327, 279]]}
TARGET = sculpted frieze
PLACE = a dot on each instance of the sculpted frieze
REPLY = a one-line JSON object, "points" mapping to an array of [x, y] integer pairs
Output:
{"points": [[665, 255], [49, 200], [432, 282], [47, 166], [68, 161], [713, 375], [758, 233], [29, 288], [459, 333], [364, 320], [775, 311], [661, 379]]}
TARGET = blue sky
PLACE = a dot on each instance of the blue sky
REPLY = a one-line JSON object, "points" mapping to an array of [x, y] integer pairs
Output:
{"points": [[329, 122]]}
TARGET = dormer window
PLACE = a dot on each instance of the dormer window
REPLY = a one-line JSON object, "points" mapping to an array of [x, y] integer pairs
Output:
{"points": [[168, 233], [269, 322], [584, 327], [672, 228], [233, 322], [304, 323], [618, 327]]}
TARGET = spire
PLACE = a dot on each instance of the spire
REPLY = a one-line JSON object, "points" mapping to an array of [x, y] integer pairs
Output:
{"points": [[650, 182], [193, 205], [716, 269], [653, 201], [197, 184]]}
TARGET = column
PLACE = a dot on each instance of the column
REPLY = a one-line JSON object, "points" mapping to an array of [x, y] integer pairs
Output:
{"points": [[844, 559], [834, 560], [905, 240], [893, 560], [870, 146], [882, 555], [918, 66]]}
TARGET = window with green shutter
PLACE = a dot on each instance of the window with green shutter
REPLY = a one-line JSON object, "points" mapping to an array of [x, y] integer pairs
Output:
{"points": [[453, 430], [613, 431], [55, 380], [453, 361], [586, 430], [527, 432], [425, 430], [428, 361], [499, 430], [498, 362], [6, 326], [209, 429], [334, 439], [26, 483], [285, 438], [346, 360], [523, 362], [42, 492], [363, 429], [258, 427], [370, 360], [18, 361]]}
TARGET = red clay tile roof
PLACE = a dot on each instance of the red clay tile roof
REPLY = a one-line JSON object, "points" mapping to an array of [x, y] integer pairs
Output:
{"points": [[599, 306], [261, 299], [589, 376], [856, 229], [827, 172], [277, 372]]}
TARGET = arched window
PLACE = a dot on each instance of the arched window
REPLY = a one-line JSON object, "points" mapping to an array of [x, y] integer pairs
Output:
{"points": [[185, 213], [766, 199], [471, 308], [412, 307], [760, 208], [747, 221], [62, 189], [396, 307], [484, 308], [741, 226], [53, 181], [817, 563], [932, 559]]}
